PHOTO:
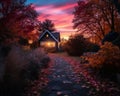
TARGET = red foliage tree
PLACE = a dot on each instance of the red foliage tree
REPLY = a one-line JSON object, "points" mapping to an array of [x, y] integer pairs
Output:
{"points": [[96, 17], [16, 19]]}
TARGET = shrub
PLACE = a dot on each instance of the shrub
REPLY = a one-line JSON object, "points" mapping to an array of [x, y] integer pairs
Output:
{"points": [[75, 45], [106, 60], [91, 47], [37, 60], [34, 45], [39, 55], [21, 67], [14, 63], [23, 41]]}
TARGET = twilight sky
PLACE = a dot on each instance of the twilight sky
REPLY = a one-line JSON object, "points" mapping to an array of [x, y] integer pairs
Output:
{"points": [[59, 11]]}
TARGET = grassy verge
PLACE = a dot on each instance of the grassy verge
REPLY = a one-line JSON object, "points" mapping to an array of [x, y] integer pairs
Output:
{"points": [[21, 68]]}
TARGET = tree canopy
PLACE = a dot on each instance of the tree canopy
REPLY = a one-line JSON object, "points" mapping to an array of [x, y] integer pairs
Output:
{"points": [[47, 25], [16, 19], [96, 17]]}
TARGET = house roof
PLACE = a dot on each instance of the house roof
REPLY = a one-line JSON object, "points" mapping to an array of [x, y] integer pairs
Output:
{"points": [[54, 35]]}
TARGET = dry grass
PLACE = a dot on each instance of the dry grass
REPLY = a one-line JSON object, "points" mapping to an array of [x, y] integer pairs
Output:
{"points": [[21, 67]]}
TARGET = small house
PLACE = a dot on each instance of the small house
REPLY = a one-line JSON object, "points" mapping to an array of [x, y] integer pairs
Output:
{"points": [[50, 40]]}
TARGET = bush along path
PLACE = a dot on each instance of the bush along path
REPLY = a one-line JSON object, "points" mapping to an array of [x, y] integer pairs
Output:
{"points": [[36, 86], [62, 80]]}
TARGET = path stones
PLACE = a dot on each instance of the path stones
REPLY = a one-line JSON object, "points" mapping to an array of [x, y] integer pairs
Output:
{"points": [[56, 88], [66, 81], [59, 93], [76, 86]]}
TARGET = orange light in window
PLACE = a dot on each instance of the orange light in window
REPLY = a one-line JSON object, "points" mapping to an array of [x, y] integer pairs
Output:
{"points": [[50, 44], [30, 41], [47, 35]]}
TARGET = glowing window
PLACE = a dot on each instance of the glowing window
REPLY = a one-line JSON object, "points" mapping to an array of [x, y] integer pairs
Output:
{"points": [[48, 44], [47, 35]]}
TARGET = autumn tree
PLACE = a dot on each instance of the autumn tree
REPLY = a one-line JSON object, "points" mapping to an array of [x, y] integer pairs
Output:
{"points": [[16, 19], [86, 21], [96, 17], [47, 25]]}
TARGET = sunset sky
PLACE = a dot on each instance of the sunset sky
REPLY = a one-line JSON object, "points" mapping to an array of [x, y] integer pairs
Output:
{"points": [[59, 11]]}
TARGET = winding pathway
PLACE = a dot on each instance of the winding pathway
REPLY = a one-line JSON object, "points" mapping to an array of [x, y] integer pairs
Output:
{"points": [[62, 80]]}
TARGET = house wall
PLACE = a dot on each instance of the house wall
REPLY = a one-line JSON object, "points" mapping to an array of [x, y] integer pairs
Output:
{"points": [[49, 42], [50, 46]]}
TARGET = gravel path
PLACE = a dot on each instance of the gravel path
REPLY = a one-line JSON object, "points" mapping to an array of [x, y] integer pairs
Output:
{"points": [[62, 80]]}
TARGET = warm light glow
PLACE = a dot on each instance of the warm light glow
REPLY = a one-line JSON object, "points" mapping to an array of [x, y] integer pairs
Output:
{"points": [[30, 41], [66, 37], [47, 35], [50, 44]]}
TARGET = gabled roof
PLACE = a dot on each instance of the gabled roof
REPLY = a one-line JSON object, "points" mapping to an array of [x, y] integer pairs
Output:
{"points": [[54, 35]]}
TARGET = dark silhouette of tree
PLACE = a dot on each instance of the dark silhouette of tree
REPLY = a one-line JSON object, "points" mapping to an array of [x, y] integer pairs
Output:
{"points": [[16, 19], [47, 25], [117, 4]]}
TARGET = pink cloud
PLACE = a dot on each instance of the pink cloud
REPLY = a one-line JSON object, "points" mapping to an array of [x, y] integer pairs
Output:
{"points": [[67, 6], [60, 15]]}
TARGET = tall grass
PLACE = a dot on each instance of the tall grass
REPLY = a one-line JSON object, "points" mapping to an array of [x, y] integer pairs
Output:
{"points": [[22, 67]]}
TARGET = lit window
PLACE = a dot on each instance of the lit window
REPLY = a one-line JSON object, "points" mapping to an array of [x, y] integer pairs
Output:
{"points": [[47, 35], [50, 44], [30, 41]]}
